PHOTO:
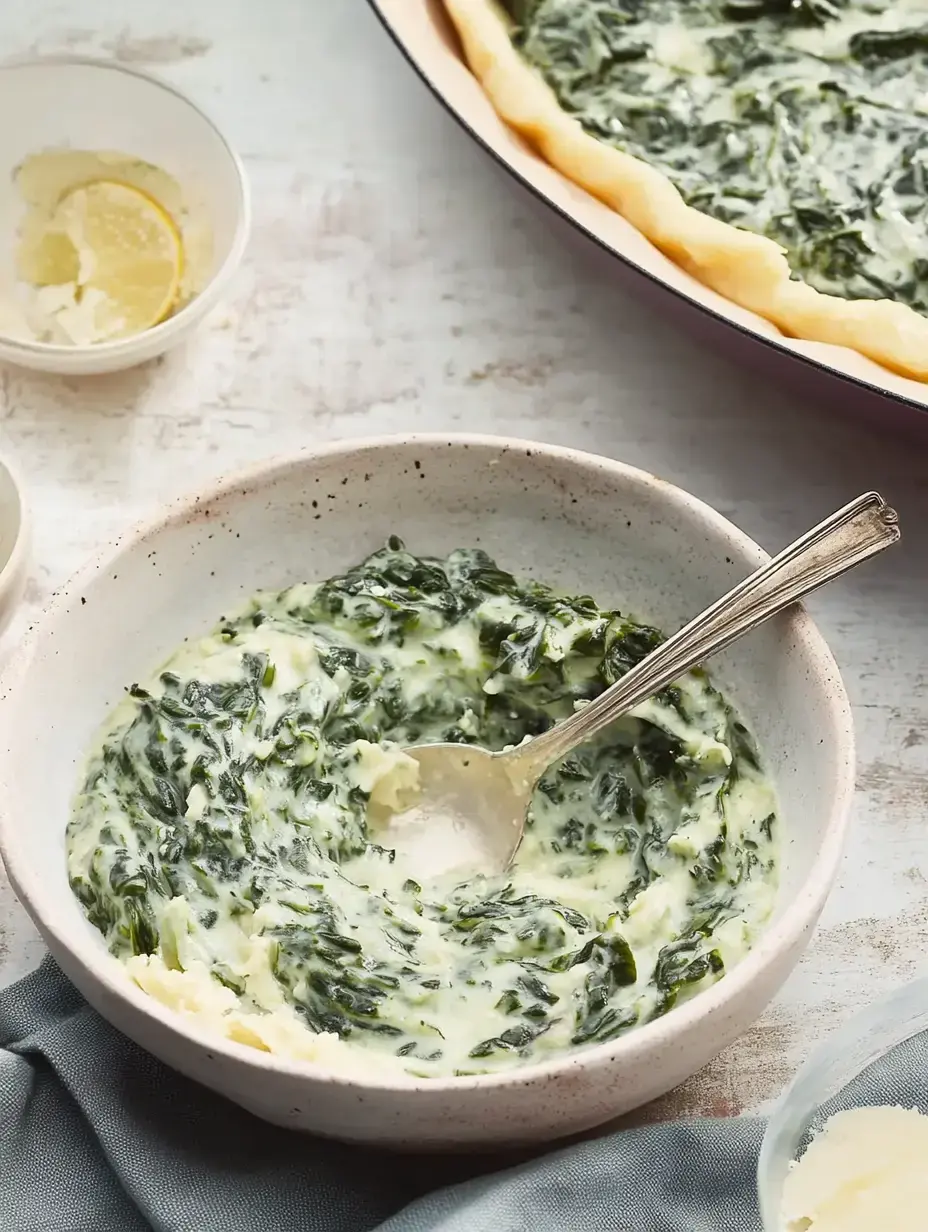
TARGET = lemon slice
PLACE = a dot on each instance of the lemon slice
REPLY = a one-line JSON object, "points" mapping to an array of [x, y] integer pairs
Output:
{"points": [[129, 256]]}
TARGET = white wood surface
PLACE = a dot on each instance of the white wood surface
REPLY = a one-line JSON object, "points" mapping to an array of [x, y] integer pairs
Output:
{"points": [[395, 280]]}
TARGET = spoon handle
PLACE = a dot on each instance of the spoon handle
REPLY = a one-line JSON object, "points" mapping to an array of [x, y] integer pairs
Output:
{"points": [[859, 530]]}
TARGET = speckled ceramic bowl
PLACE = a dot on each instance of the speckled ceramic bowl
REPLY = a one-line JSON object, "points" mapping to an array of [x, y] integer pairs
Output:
{"points": [[584, 523]]}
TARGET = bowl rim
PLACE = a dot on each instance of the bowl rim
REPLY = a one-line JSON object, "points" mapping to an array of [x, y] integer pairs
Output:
{"points": [[798, 918], [204, 299]]}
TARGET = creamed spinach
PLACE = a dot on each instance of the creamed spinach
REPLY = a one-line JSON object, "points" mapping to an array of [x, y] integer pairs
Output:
{"points": [[802, 120], [223, 844]]}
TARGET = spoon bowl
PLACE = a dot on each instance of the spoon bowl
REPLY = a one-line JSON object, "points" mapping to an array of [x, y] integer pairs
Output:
{"points": [[470, 809], [468, 815]]}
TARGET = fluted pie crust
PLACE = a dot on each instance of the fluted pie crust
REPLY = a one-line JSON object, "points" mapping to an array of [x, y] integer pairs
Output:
{"points": [[748, 269]]}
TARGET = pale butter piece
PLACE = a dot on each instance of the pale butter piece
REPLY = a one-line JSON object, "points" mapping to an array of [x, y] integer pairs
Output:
{"points": [[864, 1171], [388, 775]]}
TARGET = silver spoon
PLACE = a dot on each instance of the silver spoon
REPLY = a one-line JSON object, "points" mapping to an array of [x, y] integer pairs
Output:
{"points": [[469, 813]]}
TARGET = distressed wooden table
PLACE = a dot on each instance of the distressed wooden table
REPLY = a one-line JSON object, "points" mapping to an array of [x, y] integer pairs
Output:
{"points": [[396, 280]]}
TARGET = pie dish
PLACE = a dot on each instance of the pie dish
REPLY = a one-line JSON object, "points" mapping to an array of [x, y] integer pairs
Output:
{"points": [[802, 120], [424, 33]]}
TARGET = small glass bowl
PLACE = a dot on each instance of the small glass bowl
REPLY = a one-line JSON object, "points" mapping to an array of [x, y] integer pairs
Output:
{"points": [[838, 1075]]}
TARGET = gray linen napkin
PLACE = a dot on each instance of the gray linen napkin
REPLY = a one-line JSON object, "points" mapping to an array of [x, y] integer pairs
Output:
{"points": [[97, 1136]]}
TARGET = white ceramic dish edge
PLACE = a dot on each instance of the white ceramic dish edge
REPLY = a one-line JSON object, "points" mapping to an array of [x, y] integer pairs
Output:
{"points": [[14, 563]]}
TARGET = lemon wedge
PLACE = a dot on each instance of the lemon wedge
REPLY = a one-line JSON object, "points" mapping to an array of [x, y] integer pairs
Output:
{"points": [[119, 250]]}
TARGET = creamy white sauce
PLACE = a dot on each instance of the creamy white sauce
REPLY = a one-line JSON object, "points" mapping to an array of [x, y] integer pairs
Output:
{"points": [[770, 120], [233, 801]]}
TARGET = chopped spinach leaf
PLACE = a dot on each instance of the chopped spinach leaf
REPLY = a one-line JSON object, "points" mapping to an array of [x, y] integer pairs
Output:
{"points": [[227, 822]]}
